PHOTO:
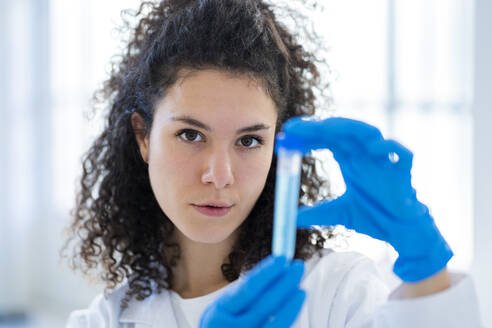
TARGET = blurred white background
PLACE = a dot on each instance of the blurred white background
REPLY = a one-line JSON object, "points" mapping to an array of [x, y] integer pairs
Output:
{"points": [[420, 70]]}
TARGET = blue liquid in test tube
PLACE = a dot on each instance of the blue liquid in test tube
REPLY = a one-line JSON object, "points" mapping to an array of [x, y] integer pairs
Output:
{"points": [[286, 202]]}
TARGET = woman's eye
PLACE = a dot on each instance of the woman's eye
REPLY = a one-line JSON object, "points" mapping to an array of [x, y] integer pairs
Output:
{"points": [[189, 135], [250, 141]]}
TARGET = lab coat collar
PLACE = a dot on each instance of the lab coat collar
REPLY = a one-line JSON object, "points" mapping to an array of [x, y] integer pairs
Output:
{"points": [[153, 311]]}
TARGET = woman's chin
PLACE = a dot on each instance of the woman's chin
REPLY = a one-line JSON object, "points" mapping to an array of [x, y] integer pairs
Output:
{"points": [[206, 236]]}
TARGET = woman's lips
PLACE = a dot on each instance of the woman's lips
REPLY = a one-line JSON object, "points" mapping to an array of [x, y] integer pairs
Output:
{"points": [[212, 211]]}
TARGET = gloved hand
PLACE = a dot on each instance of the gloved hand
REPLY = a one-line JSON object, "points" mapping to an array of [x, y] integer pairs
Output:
{"points": [[379, 200], [269, 296]]}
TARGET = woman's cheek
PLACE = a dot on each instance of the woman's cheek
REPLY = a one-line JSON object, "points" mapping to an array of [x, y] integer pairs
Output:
{"points": [[255, 168], [169, 161], [181, 165]]}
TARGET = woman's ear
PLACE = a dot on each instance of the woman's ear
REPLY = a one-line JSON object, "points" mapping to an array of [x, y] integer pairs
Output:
{"points": [[140, 131]]}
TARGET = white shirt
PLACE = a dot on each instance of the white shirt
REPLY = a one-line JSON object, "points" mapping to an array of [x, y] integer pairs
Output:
{"points": [[344, 289]]}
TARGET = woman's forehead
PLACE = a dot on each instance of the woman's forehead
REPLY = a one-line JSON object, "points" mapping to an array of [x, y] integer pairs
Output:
{"points": [[213, 84], [213, 94]]}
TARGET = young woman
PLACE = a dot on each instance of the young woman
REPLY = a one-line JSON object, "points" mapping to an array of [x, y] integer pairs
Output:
{"points": [[176, 204]]}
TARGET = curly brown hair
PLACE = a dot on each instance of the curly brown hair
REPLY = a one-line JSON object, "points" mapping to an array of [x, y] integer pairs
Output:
{"points": [[117, 219]]}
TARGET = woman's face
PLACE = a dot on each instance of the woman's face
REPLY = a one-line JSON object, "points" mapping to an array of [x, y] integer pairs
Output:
{"points": [[211, 141]]}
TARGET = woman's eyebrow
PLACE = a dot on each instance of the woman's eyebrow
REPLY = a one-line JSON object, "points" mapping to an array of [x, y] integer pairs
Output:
{"points": [[194, 122]]}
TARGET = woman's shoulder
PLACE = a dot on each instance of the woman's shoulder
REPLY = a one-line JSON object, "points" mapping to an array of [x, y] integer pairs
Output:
{"points": [[337, 262], [337, 270], [103, 311], [341, 287]]}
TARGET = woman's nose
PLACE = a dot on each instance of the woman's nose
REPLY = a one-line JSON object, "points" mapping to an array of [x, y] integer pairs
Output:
{"points": [[219, 169]]}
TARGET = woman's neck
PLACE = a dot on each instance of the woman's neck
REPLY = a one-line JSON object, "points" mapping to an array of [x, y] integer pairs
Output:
{"points": [[198, 271]]}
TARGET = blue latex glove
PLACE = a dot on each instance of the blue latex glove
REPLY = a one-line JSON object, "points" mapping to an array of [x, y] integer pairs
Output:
{"points": [[379, 200], [269, 297]]}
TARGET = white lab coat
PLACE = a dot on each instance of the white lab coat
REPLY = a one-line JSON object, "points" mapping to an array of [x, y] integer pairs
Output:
{"points": [[344, 289]]}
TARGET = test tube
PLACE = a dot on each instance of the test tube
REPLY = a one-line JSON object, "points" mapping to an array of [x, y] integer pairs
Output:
{"points": [[289, 158]]}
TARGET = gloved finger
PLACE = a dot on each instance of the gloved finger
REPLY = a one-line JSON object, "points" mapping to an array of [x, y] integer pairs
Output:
{"points": [[274, 297], [383, 149], [330, 132], [237, 299], [288, 312], [325, 213]]}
